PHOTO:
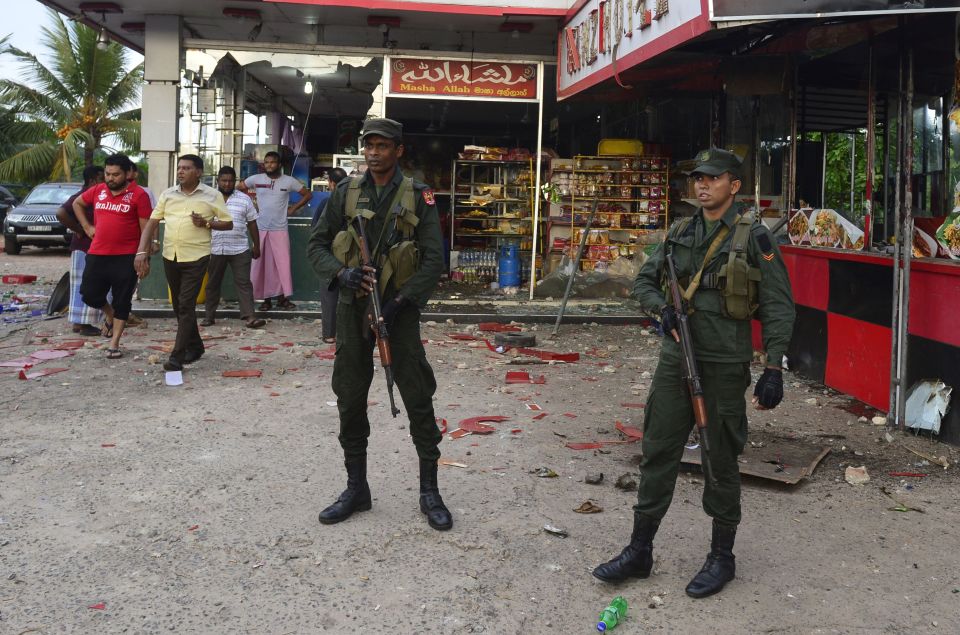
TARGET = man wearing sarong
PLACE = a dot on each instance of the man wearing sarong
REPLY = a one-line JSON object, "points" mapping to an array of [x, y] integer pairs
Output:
{"points": [[271, 190]]}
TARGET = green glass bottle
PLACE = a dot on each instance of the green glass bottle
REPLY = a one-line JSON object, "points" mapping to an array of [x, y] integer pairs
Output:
{"points": [[613, 614]]}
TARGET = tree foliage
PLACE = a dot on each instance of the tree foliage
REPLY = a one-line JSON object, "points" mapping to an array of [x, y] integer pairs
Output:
{"points": [[68, 108]]}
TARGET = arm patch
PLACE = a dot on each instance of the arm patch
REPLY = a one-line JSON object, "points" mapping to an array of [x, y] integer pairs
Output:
{"points": [[763, 241]]}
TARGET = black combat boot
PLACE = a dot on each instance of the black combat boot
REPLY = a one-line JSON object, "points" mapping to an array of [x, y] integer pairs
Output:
{"points": [[430, 502], [356, 498], [720, 567], [636, 560]]}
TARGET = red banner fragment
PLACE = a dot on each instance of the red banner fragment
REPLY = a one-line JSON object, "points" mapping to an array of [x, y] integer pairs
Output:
{"points": [[442, 424], [541, 415]]}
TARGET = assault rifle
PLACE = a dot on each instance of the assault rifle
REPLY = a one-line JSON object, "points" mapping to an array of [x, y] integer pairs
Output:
{"points": [[690, 371], [377, 325]]}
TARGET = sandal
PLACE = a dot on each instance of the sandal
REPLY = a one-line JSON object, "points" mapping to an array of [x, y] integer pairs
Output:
{"points": [[114, 353], [256, 323], [266, 306], [286, 304], [107, 329], [330, 340]]}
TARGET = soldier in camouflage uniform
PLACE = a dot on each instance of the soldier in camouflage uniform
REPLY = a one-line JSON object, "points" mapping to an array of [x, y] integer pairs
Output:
{"points": [[721, 330], [403, 231]]}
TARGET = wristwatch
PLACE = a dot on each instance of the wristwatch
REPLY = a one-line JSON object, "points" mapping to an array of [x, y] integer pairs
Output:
{"points": [[210, 224]]}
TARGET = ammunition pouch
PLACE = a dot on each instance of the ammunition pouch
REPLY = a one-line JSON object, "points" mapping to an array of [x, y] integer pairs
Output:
{"points": [[737, 279]]}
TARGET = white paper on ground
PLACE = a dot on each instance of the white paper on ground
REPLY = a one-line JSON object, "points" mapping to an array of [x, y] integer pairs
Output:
{"points": [[926, 404], [174, 378]]}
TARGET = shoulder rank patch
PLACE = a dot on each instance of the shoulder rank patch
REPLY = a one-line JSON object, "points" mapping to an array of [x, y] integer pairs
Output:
{"points": [[428, 197], [768, 257]]}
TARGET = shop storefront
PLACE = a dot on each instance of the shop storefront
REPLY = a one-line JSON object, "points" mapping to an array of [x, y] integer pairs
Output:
{"points": [[786, 89]]}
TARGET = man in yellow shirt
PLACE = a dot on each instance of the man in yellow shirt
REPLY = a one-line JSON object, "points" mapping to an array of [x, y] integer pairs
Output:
{"points": [[190, 210]]}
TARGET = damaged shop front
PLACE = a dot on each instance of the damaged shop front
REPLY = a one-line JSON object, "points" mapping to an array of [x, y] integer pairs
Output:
{"points": [[842, 119]]}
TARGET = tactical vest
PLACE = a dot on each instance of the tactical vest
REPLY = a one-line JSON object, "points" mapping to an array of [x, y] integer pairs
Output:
{"points": [[737, 280], [398, 258]]}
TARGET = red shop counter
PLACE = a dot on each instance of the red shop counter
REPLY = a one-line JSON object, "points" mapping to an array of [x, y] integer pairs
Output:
{"points": [[842, 334]]}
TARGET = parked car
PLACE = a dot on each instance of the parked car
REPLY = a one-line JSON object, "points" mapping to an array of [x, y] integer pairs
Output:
{"points": [[34, 221], [8, 200]]}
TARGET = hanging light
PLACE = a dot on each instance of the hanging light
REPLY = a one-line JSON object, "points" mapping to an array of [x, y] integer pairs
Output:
{"points": [[308, 87], [102, 40]]}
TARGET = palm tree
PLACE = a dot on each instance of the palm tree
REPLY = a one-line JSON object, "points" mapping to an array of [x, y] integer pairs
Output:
{"points": [[71, 107]]}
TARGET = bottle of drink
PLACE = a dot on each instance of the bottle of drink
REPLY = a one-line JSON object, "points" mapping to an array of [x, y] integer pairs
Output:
{"points": [[613, 614]]}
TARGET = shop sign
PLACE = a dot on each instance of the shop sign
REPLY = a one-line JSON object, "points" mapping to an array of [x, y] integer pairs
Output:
{"points": [[607, 36], [462, 79], [721, 10]]}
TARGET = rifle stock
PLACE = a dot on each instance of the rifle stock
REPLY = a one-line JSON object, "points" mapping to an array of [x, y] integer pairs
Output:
{"points": [[690, 371], [377, 325]]}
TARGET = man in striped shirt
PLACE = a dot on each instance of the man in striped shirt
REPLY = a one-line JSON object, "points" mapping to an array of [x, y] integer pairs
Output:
{"points": [[232, 248]]}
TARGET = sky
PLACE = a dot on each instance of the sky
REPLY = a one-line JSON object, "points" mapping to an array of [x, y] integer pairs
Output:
{"points": [[23, 24]]}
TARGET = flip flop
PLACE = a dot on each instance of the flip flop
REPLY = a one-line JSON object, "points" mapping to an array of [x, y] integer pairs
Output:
{"points": [[107, 329], [330, 340], [266, 306], [256, 324], [114, 353], [286, 304]]}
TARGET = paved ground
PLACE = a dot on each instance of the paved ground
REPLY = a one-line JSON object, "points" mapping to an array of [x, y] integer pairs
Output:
{"points": [[130, 506]]}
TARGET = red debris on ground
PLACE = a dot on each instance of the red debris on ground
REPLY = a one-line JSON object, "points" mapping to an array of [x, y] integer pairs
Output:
{"points": [[541, 415], [633, 405], [466, 337], [523, 377], [19, 278], [550, 356], [474, 425], [442, 424], [50, 354], [251, 372], [496, 327], [633, 433], [99, 606], [40, 373]]}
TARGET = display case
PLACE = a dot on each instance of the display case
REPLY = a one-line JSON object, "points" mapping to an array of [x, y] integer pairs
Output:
{"points": [[492, 207], [632, 205]]}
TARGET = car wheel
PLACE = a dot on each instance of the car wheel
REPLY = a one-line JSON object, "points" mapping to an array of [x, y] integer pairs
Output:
{"points": [[11, 246]]}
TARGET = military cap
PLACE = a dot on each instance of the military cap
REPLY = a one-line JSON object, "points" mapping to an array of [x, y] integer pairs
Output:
{"points": [[714, 162], [387, 128]]}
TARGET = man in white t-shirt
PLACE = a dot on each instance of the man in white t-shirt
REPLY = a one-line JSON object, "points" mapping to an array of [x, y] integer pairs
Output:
{"points": [[271, 190]]}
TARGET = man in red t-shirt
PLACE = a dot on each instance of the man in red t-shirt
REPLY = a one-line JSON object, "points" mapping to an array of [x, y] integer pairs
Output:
{"points": [[121, 210]]}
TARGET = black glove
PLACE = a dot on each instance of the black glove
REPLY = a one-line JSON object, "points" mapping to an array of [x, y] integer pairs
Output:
{"points": [[769, 389], [668, 320], [390, 310], [350, 277]]}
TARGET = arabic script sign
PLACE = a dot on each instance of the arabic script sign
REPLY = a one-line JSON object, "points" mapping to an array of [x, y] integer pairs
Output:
{"points": [[465, 79]]}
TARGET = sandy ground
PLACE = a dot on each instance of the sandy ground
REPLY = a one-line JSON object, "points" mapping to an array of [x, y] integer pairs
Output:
{"points": [[130, 506]]}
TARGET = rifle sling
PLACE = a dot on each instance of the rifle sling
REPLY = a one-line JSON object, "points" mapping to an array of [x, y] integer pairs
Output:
{"points": [[695, 282]]}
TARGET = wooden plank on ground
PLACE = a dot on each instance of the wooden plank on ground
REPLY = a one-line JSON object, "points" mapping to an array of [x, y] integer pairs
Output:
{"points": [[779, 459]]}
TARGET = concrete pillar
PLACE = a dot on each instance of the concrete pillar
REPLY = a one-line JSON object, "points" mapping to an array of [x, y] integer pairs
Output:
{"points": [[163, 51]]}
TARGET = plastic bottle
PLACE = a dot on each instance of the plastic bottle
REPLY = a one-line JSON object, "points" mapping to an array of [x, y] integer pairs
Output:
{"points": [[613, 614]]}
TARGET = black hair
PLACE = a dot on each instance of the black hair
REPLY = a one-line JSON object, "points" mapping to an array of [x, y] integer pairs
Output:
{"points": [[272, 154], [336, 175], [227, 170], [90, 173], [121, 161], [192, 158]]}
